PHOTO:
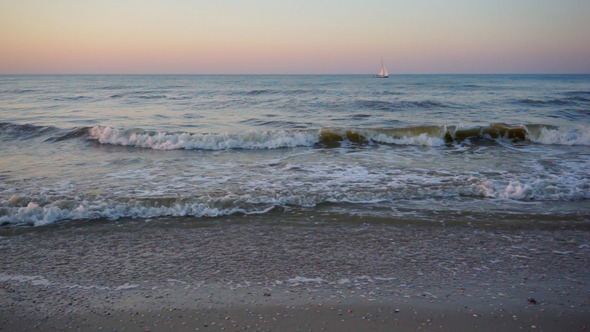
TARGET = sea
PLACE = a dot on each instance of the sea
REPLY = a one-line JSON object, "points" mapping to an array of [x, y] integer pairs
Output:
{"points": [[410, 148]]}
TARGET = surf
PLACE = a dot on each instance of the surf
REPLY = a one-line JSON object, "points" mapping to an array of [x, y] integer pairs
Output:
{"points": [[337, 136], [427, 135]]}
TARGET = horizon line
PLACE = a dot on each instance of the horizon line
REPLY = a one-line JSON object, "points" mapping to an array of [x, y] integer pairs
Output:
{"points": [[274, 74]]}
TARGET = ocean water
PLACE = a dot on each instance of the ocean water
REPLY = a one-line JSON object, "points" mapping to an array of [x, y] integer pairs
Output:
{"points": [[434, 148]]}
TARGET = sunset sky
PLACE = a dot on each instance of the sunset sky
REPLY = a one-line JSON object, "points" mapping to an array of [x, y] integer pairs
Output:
{"points": [[294, 37]]}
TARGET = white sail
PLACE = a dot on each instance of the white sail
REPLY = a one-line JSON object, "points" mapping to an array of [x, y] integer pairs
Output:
{"points": [[383, 73]]}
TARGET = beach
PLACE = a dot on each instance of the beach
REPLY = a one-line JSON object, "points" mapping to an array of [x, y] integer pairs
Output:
{"points": [[284, 271]]}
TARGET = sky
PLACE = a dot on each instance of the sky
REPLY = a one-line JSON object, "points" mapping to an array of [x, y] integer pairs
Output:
{"points": [[293, 37]]}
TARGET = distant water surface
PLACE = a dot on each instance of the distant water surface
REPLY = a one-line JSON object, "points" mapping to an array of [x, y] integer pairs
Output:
{"points": [[431, 147]]}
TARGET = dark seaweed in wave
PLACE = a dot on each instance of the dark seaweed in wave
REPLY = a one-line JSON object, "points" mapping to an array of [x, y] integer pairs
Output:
{"points": [[330, 137], [292, 133], [492, 132]]}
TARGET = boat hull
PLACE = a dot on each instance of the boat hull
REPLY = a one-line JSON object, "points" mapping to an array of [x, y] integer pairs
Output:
{"points": [[380, 76]]}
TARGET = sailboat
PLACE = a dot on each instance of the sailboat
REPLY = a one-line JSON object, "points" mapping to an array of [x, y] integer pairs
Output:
{"points": [[383, 73]]}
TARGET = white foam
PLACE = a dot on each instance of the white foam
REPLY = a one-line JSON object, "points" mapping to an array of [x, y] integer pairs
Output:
{"points": [[516, 190], [34, 280], [562, 136], [483, 188], [244, 140], [165, 141], [42, 281], [38, 216], [353, 186], [566, 188], [299, 279], [421, 140], [302, 182], [385, 278], [126, 286]]}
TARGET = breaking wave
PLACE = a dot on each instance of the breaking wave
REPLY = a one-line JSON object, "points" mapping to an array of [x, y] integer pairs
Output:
{"points": [[165, 141], [560, 136], [330, 186], [324, 137], [37, 215], [334, 137]]}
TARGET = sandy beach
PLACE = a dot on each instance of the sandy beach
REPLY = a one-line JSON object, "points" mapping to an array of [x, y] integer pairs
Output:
{"points": [[258, 273]]}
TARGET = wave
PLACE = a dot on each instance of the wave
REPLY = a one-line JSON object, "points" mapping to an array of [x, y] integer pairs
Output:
{"points": [[72, 98], [73, 133], [323, 137], [345, 186], [335, 137], [559, 136], [19, 91], [262, 92], [24, 131], [573, 99], [381, 105], [250, 140], [152, 96], [13, 131], [164, 93], [578, 93], [34, 214]]}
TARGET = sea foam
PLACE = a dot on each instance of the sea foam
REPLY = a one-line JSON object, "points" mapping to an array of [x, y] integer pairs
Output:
{"points": [[168, 141], [560, 136], [335, 137], [330, 185]]}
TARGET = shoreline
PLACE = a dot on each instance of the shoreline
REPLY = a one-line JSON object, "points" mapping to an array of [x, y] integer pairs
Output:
{"points": [[173, 312], [290, 275]]}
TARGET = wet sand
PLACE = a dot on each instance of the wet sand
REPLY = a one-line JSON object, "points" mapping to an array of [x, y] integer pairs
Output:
{"points": [[324, 273]]}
